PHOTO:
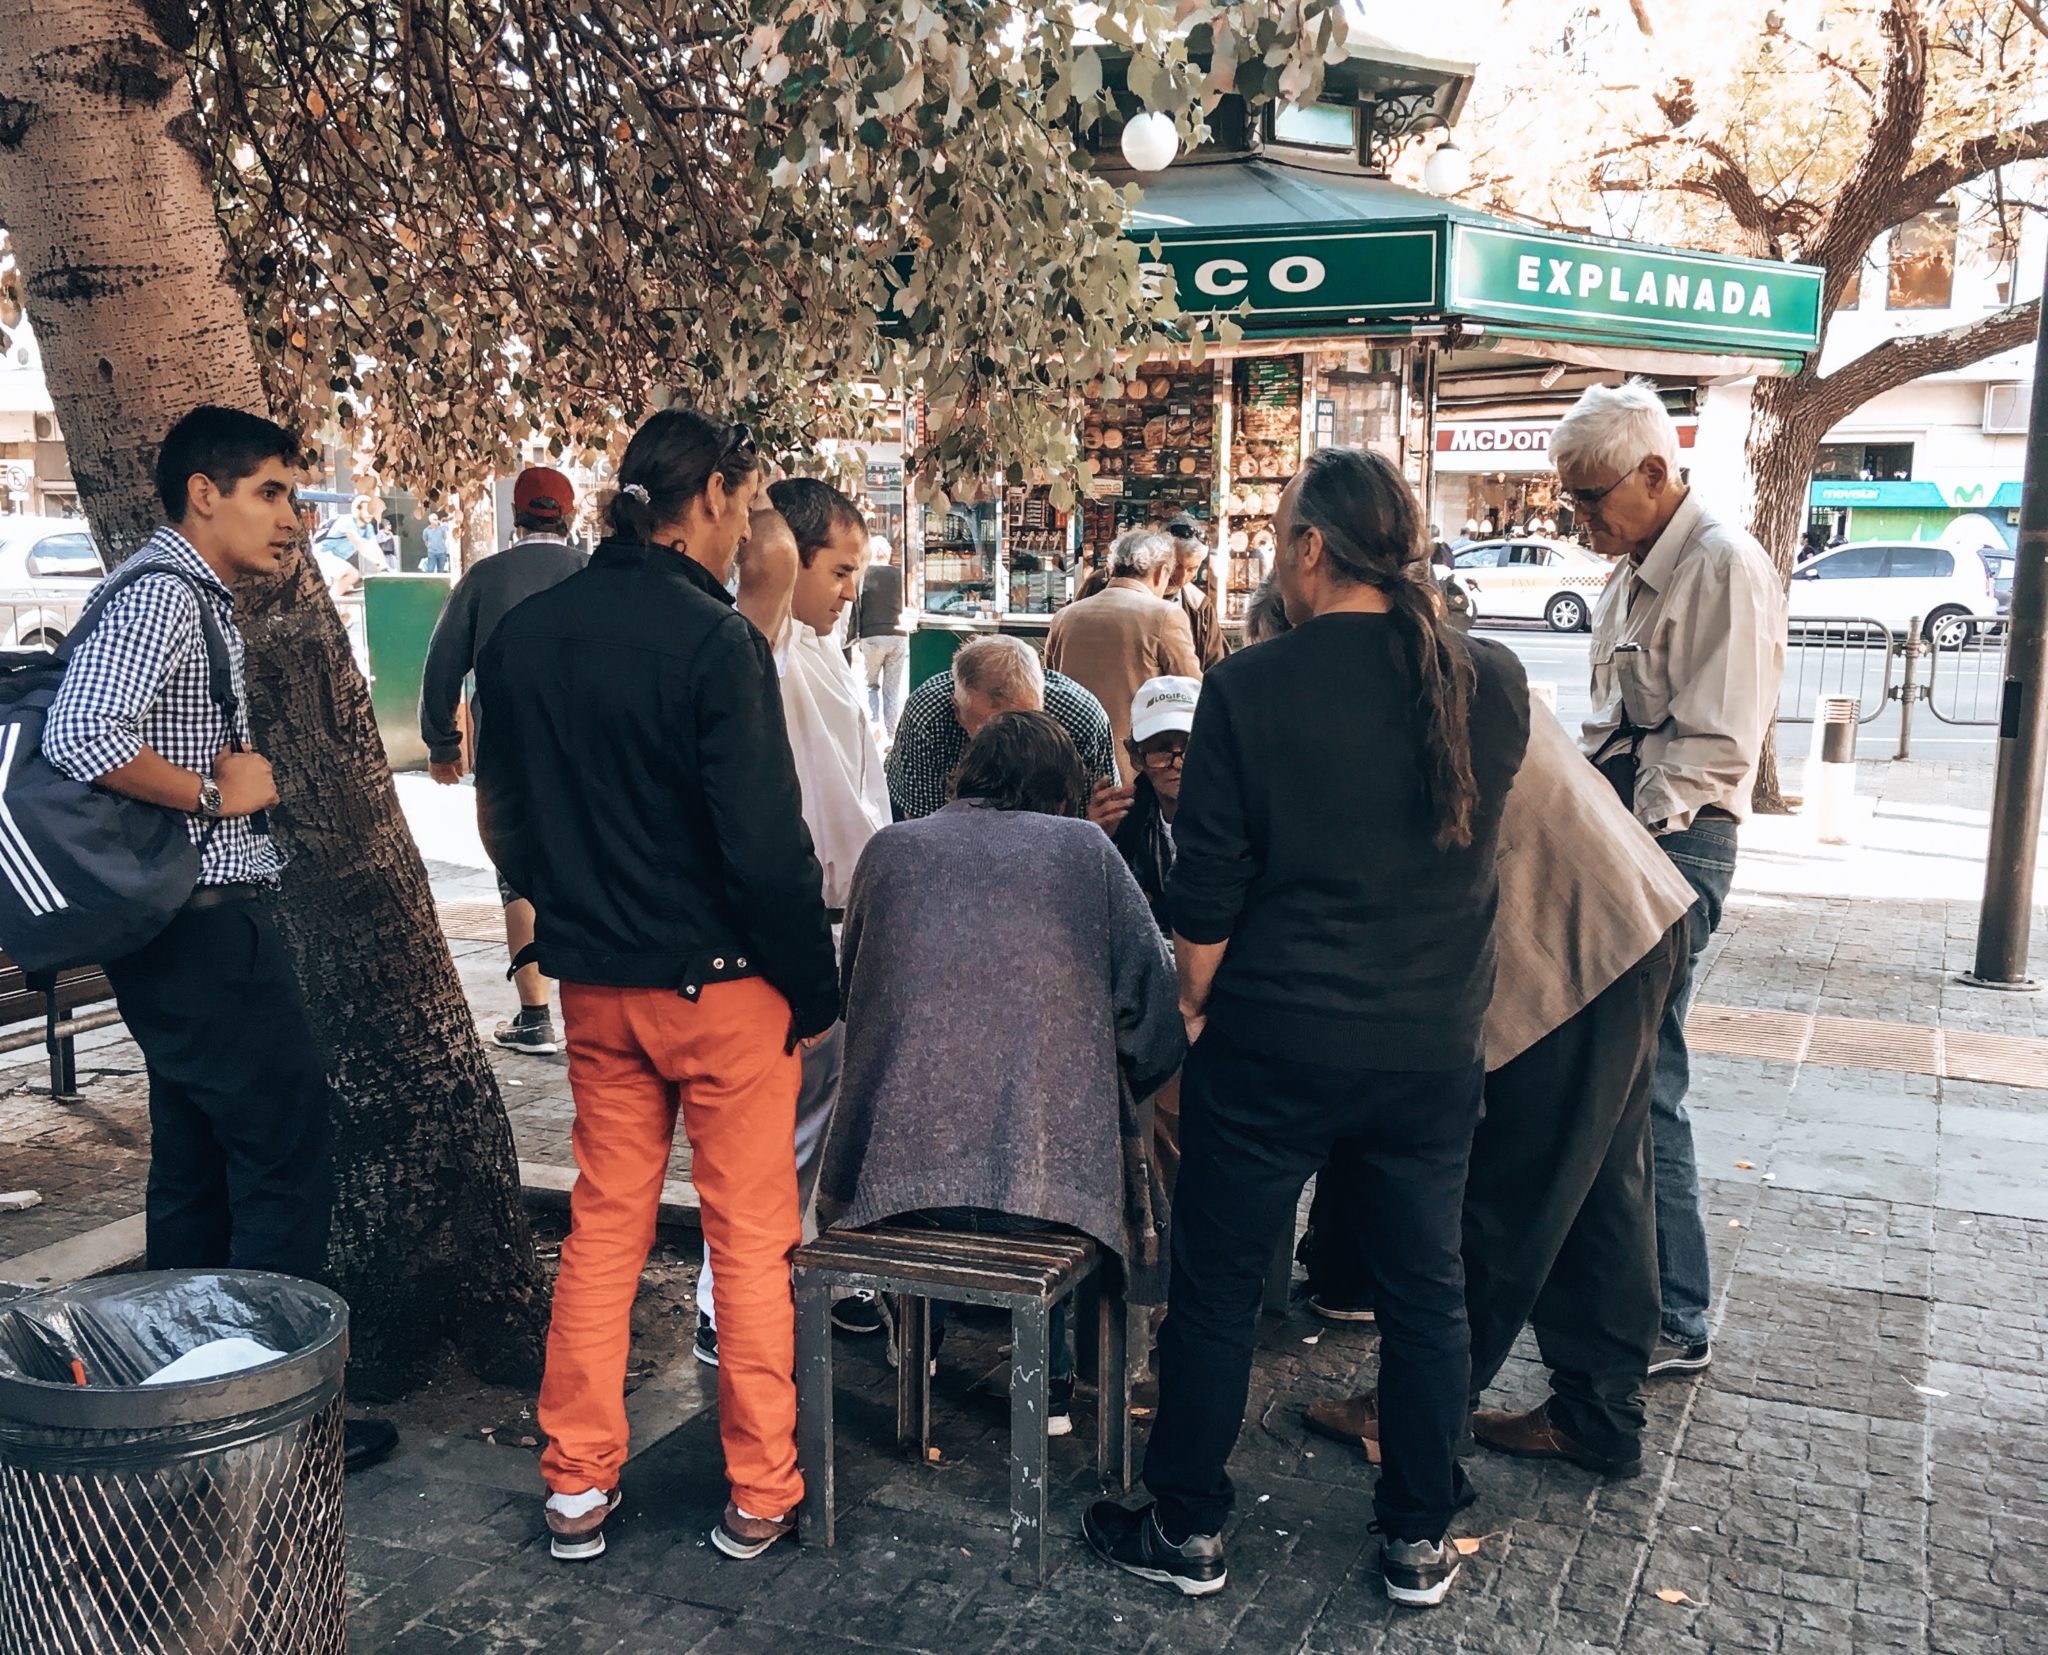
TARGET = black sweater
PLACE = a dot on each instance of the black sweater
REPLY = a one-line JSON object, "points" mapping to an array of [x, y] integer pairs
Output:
{"points": [[1304, 839], [634, 778], [481, 599]]}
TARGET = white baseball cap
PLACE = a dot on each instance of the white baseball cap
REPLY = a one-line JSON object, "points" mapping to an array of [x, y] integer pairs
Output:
{"points": [[1164, 704]]}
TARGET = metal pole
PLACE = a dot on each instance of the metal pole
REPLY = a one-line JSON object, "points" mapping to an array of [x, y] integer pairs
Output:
{"points": [[1909, 692], [2006, 917]]}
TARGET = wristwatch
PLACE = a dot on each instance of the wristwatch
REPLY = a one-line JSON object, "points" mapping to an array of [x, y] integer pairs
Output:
{"points": [[209, 797]]}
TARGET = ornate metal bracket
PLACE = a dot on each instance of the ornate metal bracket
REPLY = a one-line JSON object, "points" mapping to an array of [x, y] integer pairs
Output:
{"points": [[1391, 120]]}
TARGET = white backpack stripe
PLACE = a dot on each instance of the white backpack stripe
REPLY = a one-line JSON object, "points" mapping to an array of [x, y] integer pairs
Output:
{"points": [[30, 879]]}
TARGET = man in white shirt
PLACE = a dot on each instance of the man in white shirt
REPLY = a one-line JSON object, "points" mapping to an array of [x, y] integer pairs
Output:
{"points": [[1688, 650], [801, 565]]}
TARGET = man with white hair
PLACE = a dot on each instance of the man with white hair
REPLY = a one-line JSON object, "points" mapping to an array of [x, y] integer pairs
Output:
{"points": [[1128, 633], [992, 675], [1688, 649]]}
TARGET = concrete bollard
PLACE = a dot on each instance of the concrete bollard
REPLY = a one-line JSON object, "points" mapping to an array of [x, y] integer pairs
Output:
{"points": [[1833, 771]]}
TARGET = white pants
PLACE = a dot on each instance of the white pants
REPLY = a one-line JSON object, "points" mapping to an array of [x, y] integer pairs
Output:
{"points": [[816, 1094], [885, 665]]}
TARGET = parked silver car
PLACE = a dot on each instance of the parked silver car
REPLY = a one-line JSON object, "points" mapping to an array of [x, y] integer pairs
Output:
{"points": [[48, 566]]}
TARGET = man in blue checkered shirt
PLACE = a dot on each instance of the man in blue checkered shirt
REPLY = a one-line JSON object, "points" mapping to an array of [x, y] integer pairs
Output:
{"points": [[239, 1172]]}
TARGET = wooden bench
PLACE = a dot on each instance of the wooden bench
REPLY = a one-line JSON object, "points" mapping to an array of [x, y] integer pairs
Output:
{"points": [[1025, 1274], [57, 1012]]}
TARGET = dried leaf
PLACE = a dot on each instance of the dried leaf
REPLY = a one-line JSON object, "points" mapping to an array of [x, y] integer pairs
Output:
{"points": [[1671, 1594], [932, 1454], [1745, 1166], [1467, 1544], [1734, 1223]]}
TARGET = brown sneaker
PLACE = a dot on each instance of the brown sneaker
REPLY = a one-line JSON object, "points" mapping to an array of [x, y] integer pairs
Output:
{"points": [[741, 1536], [1535, 1436], [1355, 1421], [576, 1523]]}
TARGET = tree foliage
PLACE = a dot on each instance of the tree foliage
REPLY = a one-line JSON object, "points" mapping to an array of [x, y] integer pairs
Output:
{"points": [[464, 223]]}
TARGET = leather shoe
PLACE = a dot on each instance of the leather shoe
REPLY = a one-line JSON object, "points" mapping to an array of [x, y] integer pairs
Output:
{"points": [[1536, 1436], [1355, 1420]]}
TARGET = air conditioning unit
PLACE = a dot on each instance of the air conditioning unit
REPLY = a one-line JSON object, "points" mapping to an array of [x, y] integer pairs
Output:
{"points": [[46, 428], [2005, 408]]}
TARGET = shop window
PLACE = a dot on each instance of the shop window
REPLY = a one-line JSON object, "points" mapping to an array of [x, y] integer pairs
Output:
{"points": [[1864, 462], [1318, 126], [1923, 269]]}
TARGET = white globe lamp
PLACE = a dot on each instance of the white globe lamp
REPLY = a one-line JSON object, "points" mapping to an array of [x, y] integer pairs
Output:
{"points": [[1150, 142], [1448, 171]]}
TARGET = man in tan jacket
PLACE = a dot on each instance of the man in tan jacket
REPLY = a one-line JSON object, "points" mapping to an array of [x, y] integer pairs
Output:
{"points": [[1560, 1214], [1127, 634]]}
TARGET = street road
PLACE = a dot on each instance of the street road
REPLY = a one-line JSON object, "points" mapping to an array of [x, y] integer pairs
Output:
{"points": [[1967, 687]]}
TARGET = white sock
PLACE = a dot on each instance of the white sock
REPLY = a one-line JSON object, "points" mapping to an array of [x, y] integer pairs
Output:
{"points": [[578, 1505]]}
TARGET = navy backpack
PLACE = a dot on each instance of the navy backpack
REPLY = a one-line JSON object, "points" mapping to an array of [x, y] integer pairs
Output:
{"points": [[86, 874]]}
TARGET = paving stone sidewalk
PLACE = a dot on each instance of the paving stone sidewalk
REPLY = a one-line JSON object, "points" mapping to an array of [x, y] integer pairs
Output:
{"points": [[1864, 1469]]}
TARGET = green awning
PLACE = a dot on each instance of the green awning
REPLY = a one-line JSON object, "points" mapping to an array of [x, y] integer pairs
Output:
{"points": [[1286, 249]]}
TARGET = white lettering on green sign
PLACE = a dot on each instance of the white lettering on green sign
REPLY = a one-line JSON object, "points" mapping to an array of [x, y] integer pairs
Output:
{"points": [[1583, 278]]}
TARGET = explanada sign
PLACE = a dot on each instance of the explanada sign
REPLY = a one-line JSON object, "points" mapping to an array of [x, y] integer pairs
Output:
{"points": [[1498, 445]]}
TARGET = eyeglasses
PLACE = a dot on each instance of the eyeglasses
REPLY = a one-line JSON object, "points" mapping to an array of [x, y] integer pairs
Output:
{"points": [[739, 441], [1162, 758], [1587, 498]]}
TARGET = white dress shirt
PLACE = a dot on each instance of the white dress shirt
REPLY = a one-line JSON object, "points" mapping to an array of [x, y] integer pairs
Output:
{"points": [[1689, 647], [838, 763]]}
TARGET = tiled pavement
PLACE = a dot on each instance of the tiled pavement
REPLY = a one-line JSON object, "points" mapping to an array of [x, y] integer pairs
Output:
{"points": [[1864, 1469]]}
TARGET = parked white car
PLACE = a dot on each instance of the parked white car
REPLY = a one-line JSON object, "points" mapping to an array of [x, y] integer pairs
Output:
{"points": [[48, 567], [1891, 582], [1531, 580]]}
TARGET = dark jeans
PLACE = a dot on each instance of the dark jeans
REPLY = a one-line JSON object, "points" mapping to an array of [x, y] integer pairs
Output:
{"points": [[1560, 1225], [987, 1221], [238, 1164], [1253, 1129], [1705, 854]]}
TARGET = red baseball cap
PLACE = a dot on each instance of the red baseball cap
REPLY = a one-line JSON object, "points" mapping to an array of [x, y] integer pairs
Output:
{"points": [[542, 491]]}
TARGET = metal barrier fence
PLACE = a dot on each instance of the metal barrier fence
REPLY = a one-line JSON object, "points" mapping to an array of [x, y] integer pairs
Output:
{"points": [[1852, 656], [28, 621], [1966, 681]]}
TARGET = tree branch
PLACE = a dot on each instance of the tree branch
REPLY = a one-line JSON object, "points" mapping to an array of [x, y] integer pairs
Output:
{"points": [[1862, 203], [1924, 187], [1896, 362]]}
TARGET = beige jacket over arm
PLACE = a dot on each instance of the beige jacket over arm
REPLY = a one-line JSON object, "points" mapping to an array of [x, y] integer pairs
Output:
{"points": [[1585, 893], [1690, 645], [1112, 643]]}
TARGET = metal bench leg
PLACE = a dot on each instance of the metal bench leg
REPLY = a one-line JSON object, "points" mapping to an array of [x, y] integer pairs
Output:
{"points": [[1030, 1367], [1280, 1272], [63, 1070], [815, 1522], [1113, 1382], [913, 1374]]}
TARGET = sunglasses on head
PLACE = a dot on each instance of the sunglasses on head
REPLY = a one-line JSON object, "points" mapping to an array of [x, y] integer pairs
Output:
{"points": [[739, 443]]}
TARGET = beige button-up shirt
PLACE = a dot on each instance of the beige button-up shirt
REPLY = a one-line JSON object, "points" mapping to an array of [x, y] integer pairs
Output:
{"points": [[1689, 645], [1584, 893]]}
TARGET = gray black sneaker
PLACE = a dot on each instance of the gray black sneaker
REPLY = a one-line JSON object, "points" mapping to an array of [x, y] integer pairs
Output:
{"points": [[1135, 1543], [1419, 1572], [861, 1313], [705, 1346], [1673, 1356], [531, 1032]]}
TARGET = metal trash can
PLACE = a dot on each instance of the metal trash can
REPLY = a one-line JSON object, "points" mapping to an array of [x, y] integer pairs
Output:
{"points": [[184, 1517]]}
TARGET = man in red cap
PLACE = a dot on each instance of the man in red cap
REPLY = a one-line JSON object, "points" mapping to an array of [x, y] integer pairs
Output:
{"points": [[543, 508]]}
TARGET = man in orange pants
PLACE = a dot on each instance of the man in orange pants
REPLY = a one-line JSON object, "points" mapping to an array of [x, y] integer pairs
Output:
{"points": [[635, 780]]}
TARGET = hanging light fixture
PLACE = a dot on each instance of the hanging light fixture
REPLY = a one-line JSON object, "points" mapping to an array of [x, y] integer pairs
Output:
{"points": [[1150, 142], [1448, 171]]}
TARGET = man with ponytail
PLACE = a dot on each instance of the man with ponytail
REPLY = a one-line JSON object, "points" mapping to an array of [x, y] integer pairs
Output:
{"points": [[1333, 901], [635, 779]]}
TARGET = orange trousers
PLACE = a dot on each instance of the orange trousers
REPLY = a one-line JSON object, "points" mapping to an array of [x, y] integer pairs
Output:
{"points": [[635, 1056]]}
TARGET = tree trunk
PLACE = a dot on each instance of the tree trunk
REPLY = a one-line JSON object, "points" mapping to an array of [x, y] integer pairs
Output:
{"points": [[103, 187], [1779, 454]]}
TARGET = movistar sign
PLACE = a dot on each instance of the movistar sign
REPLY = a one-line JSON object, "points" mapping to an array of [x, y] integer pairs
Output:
{"points": [[1603, 287]]}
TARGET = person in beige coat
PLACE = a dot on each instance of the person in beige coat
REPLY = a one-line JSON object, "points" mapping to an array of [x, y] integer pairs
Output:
{"points": [[1560, 1214], [1125, 635]]}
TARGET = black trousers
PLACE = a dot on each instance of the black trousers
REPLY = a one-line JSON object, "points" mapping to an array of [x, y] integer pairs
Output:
{"points": [[238, 1167], [1560, 1209], [1253, 1129]]}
